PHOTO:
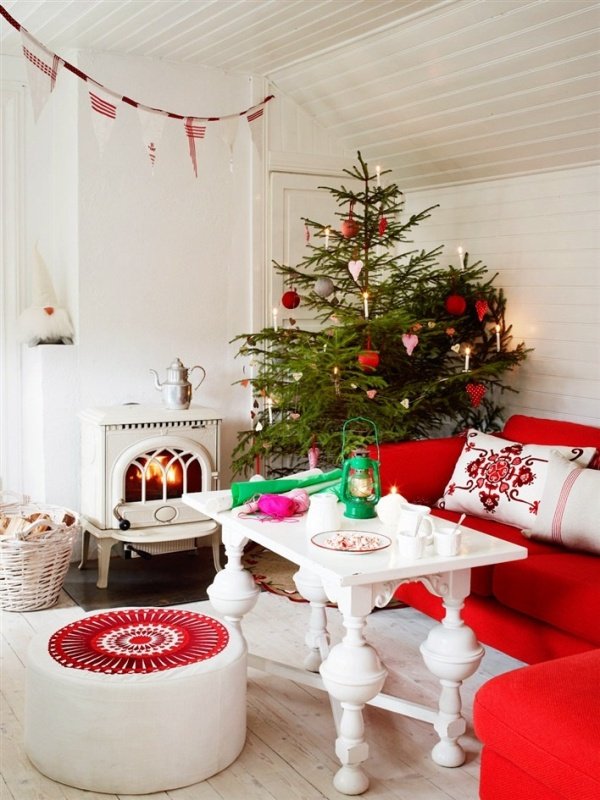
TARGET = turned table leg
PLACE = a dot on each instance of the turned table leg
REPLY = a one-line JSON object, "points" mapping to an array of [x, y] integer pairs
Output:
{"points": [[353, 675], [317, 637], [233, 592], [452, 653]]}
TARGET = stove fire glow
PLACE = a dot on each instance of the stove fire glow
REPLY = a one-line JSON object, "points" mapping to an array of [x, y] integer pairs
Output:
{"points": [[162, 475]]}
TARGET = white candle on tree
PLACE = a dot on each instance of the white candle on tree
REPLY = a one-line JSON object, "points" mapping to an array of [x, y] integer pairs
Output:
{"points": [[467, 358], [497, 338], [366, 304], [275, 312], [378, 171], [270, 409], [326, 238], [461, 258]]}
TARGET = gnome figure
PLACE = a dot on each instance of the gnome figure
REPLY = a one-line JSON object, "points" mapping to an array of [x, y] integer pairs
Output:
{"points": [[44, 322]]}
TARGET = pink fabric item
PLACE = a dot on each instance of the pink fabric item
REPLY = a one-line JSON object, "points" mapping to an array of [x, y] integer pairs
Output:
{"points": [[279, 506]]}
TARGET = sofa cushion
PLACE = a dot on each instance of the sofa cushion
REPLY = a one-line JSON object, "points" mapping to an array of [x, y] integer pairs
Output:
{"points": [[546, 719], [535, 430], [418, 469], [561, 589], [481, 577], [503, 479], [569, 513]]}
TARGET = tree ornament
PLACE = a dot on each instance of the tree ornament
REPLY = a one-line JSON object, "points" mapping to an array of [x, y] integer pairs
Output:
{"points": [[455, 348], [296, 376], [482, 308], [410, 341], [290, 299], [306, 234], [354, 268], [324, 287], [455, 304], [368, 360], [405, 403], [476, 392], [349, 227], [313, 455], [382, 227], [371, 393]]}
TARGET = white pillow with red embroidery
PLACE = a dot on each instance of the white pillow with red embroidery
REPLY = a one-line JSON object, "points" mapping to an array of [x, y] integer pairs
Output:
{"points": [[504, 480], [569, 513]]}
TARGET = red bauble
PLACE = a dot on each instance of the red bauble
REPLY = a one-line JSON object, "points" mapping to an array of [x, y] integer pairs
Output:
{"points": [[349, 228], [290, 299], [368, 359], [455, 304]]}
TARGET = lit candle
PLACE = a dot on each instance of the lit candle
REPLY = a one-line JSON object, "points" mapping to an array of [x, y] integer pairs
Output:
{"points": [[389, 509], [366, 304], [460, 257], [275, 312], [270, 409], [326, 238], [467, 358], [497, 338], [378, 171]]}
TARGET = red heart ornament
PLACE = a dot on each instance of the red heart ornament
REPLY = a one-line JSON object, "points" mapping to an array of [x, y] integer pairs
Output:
{"points": [[482, 308], [476, 392], [49, 310]]}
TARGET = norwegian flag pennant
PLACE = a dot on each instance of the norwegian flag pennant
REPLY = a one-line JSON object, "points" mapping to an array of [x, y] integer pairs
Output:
{"points": [[42, 71], [104, 113], [153, 124], [229, 128], [256, 120], [194, 130]]}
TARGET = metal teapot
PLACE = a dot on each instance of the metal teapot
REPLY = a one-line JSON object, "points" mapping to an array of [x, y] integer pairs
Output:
{"points": [[177, 390]]}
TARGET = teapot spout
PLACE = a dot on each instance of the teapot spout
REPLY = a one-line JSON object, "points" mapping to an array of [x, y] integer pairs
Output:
{"points": [[157, 383]]}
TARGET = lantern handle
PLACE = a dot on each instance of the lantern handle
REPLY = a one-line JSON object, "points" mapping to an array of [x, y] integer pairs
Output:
{"points": [[357, 419]]}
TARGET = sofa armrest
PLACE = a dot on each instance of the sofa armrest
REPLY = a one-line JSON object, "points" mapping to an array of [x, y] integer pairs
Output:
{"points": [[419, 469]]}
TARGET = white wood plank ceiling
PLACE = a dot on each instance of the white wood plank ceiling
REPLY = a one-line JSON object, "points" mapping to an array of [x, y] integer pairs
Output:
{"points": [[441, 91]]}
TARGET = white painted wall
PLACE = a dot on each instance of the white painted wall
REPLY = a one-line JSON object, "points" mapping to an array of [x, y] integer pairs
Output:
{"points": [[149, 266], [541, 234]]}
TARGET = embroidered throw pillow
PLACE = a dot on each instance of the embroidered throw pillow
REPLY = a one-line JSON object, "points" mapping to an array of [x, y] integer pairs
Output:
{"points": [[569, 512], [503, 480]]}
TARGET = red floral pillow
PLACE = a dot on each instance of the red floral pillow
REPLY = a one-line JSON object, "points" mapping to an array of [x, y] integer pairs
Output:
{"points": [[503, 480]]}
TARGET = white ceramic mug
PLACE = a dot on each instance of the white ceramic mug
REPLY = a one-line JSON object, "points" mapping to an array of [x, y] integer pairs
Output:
{"points": [[324, 514], [413, 519], [447, 540], [410, 547]]}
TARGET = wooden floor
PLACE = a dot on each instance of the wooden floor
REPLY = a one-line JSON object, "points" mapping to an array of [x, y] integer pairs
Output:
{"points": [[289, 752]]}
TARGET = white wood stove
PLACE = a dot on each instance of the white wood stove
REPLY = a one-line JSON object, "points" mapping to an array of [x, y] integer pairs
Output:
{"points": [[136, 462]]}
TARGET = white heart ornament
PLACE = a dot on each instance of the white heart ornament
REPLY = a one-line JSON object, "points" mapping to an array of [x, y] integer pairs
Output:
{"points": [[258, 426], [371, 393], [296, 375], [355, 267], [455, 348], [405, 403]]}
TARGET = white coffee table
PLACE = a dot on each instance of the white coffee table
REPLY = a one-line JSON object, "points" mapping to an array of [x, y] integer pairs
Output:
{"points": [[351, 671]]}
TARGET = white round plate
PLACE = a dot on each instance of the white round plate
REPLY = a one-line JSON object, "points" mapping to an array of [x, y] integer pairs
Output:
{"points": [[351, 541]]}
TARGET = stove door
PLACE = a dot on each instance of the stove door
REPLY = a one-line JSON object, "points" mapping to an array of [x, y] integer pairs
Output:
{"points": [[149, 477]]}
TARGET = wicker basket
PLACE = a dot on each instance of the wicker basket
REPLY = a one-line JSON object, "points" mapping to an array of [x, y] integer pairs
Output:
{"points": [[33, 564]]}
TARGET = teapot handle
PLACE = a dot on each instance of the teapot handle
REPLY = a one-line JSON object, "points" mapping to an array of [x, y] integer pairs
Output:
{"points": [[191, 369]]}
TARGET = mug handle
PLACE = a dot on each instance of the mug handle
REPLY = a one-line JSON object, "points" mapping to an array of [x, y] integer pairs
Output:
{"points": [[428, 521]]}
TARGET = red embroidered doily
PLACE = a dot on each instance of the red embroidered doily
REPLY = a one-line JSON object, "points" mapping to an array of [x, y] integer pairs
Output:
{"points": [[138, 640]]}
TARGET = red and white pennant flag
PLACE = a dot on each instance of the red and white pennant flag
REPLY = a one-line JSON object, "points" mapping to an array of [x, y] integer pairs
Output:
{"points": [[42, 71], [153, 123], [194, 130], [256, 120], [104, 113]]}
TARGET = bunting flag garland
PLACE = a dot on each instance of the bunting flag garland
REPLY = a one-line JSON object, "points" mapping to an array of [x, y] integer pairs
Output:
{"points": [[104, 113], [255, 119], [193, 132], [153, 123], [43, 67], [42, 71]]}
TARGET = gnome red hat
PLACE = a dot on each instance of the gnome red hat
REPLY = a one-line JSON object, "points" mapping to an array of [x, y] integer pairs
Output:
{"points": [[44, 322]]}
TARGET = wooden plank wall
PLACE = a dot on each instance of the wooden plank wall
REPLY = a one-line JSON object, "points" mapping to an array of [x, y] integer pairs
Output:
{"points": [[541, 234]]}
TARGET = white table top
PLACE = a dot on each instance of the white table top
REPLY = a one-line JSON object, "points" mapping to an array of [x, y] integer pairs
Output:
{"points": [[291, 540]]}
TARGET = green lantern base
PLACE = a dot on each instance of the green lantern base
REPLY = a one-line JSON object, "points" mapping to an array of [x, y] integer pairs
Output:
{"points": [[360, 511]]}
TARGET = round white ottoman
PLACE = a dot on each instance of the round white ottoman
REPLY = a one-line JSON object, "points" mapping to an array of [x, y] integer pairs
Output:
{"points": [[134, 701]]}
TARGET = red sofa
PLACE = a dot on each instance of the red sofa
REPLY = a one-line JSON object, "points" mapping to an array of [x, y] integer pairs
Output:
{"points": [[543, 607]]}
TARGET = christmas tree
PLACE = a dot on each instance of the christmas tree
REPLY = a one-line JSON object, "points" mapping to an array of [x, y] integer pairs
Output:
{"points": [[412, 346]]}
